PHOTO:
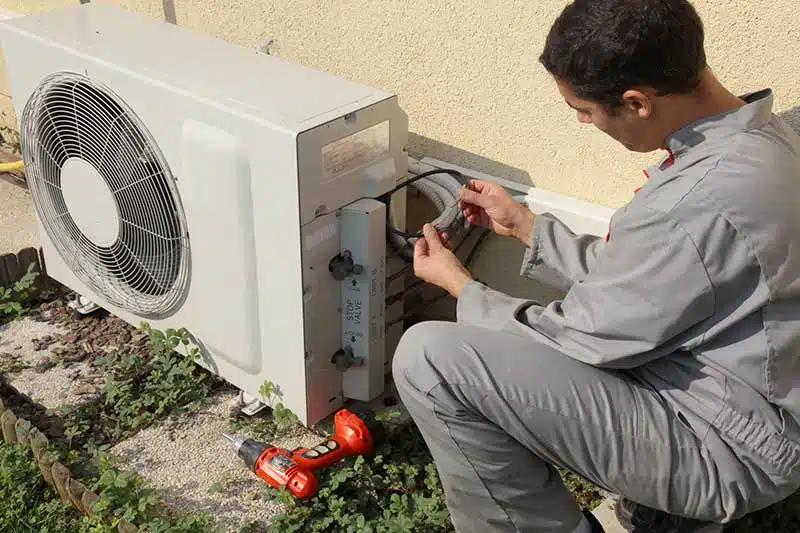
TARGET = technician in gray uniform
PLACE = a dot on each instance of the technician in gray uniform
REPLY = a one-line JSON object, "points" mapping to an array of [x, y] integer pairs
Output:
{"points": [[670, 372]]}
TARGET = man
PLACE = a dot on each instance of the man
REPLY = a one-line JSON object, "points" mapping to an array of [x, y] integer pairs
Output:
{"points": [[668, 373]]}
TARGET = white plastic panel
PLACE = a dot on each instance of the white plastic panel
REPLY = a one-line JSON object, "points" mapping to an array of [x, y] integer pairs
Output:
{"points": [[346, 159], [321, 315], [215, 185], [245, 82], [364, 298]]}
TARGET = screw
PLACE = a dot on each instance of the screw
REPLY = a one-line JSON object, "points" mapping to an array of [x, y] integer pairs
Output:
{"points": [[266, 46]]}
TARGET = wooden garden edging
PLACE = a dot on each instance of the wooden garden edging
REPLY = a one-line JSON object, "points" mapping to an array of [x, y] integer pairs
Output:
{"points": [[56, 475], [14, 266]]}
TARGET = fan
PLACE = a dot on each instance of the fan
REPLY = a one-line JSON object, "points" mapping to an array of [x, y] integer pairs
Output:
{"points": [[105, 195]]}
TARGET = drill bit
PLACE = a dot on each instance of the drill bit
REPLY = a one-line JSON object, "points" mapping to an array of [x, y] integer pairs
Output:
{"points": [[236, 442]]}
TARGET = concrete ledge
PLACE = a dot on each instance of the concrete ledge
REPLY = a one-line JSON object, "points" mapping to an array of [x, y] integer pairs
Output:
{"points": [[605, 514]]}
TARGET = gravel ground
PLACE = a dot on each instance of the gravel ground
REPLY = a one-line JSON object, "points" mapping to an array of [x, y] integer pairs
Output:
{"points": [[17, 218], [48, 356], [19, 348], [195, 470], [50, 353]]}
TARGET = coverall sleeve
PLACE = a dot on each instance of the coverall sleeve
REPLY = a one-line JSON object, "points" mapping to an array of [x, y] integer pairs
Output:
{"points": [[556, 256], [647, 287]]}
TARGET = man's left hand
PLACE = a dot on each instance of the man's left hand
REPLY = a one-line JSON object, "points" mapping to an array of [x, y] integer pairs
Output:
{"points": [[436, 264]]}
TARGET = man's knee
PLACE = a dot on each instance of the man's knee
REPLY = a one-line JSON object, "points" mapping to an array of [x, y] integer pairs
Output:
{"points": [[420, 347]]}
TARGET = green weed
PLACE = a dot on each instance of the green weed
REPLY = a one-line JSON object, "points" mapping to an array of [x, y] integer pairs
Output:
{"points": [[15, 301], [142, 388], [395, 489], [31, 506]]}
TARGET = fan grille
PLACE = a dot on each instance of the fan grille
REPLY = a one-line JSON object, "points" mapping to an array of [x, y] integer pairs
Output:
{"points": [[145, 269]]}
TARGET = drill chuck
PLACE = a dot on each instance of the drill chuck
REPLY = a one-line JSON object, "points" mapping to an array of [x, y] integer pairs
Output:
{"points": [[247, 449]]}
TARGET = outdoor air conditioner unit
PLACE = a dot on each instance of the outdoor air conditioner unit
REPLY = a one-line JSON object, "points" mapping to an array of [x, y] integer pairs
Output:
{"points": [[186, 182]]}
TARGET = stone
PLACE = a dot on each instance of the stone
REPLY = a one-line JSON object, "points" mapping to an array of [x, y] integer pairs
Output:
{"points": [[46, 468], [38, 442], [76, 490]]}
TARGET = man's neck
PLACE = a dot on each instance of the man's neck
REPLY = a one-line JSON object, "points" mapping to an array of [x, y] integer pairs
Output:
{"points": [[709, 99]]}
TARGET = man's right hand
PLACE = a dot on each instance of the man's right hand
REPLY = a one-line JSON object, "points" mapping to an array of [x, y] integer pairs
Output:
{"points": [[490, 206]]}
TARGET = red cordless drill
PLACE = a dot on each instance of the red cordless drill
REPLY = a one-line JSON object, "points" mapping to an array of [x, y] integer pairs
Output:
{"points": [[294, 469]]}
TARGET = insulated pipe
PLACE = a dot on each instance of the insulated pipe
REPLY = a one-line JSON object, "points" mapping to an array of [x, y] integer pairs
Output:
{"points": [[443, 192]]}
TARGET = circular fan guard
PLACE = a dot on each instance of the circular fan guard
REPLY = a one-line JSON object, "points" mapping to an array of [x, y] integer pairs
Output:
{"points": [[145, 269]]}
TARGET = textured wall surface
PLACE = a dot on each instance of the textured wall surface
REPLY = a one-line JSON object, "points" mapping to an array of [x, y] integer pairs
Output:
{"points": [[467, 72]]}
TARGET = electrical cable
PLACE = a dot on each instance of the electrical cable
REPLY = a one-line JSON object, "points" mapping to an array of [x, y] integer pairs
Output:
{"points": [[475, 247], [442, 187], [413, 312]]}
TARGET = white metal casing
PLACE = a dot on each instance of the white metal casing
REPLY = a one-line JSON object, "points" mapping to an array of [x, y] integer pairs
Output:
{"points": [[244, 134]]}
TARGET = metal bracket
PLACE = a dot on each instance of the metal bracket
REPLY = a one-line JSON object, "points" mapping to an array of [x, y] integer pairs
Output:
{"points": [[250, 405], [83, 306]]}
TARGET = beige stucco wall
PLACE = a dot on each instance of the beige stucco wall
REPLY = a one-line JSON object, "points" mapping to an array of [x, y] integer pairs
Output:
{"points": [[467, 73]]}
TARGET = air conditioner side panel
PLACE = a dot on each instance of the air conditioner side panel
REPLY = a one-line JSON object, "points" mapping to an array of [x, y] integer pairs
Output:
{"points": [[244, 304]]}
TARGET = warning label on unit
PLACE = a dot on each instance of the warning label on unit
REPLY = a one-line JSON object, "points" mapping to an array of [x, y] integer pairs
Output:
{"points": [[355, 151]]}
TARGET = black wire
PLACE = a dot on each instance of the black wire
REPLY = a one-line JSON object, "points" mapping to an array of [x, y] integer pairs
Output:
{"points": [[454, 173], [478, 242], [416, 283], [387, 198]]}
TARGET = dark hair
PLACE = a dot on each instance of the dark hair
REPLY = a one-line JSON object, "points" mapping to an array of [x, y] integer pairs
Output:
{"points": [[601, 48]]}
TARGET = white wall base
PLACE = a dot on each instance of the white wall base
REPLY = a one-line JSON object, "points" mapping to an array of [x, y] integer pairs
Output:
{"points": [[8, 14]]}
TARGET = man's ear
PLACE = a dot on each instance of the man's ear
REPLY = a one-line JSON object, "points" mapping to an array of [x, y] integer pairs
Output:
{"points": [[638, 102]]}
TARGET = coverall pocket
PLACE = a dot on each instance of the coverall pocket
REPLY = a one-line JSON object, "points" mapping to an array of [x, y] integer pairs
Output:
{"points": [[776, 455]]}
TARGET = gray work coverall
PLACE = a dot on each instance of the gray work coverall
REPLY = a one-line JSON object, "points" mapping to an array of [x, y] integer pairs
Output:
{"points": [[670, 371]]}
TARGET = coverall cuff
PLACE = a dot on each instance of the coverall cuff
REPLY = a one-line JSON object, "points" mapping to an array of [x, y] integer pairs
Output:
{"points": [[533, 262], [535, 265], [480, 305], [469, 302]]}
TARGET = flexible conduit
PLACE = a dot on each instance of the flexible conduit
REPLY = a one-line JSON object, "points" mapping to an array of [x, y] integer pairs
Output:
{"points": [[443, 192]]}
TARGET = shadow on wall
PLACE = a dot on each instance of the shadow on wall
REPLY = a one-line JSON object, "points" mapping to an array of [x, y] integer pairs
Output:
{"points": [[420, 146], [792, 116], [169, 11]]}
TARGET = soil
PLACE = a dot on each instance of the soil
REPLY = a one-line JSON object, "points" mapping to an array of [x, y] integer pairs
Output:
{"points": [[87, 337]]}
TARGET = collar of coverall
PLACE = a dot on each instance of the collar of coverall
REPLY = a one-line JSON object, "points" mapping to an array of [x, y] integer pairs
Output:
{"points": [[756, 112]]}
